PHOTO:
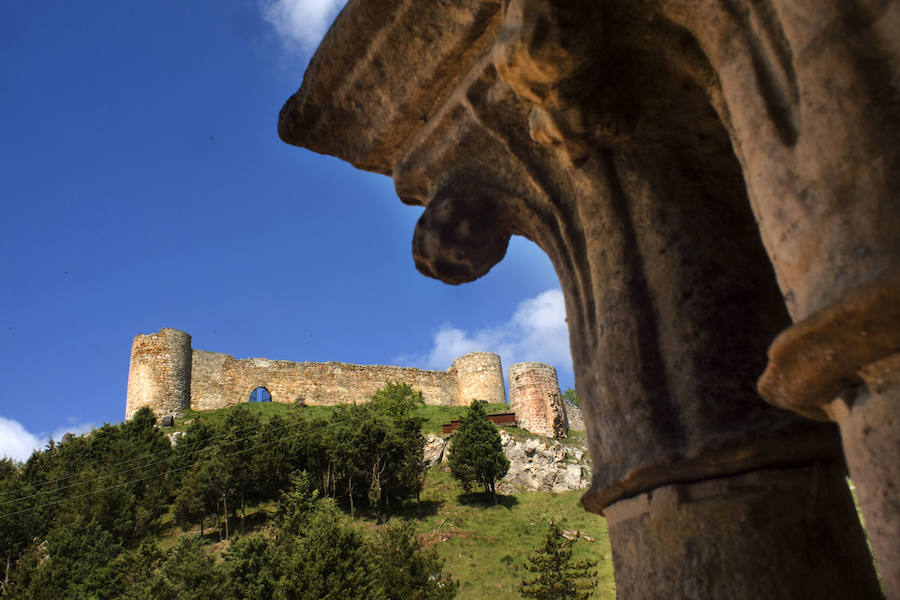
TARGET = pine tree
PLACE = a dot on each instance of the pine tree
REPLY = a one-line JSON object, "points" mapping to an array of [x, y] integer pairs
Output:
{"points": [[477, 454], [556, 576], [407, 571]]}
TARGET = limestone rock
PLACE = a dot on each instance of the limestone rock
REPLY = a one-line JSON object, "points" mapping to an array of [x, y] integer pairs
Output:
{"points": [[539, 465], [534, 464], [435, 449]]}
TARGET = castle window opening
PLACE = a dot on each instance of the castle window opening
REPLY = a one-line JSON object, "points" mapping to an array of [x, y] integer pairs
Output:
{"points": [[260, 394]]}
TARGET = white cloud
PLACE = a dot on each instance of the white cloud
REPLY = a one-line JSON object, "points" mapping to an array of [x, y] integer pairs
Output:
{"points": [[18, 443], [537, 331], [301, 23]]}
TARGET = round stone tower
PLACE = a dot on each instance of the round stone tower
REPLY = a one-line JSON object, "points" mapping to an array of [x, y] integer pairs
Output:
{"points": [[160, 373], [479, 376], [534, 397]]}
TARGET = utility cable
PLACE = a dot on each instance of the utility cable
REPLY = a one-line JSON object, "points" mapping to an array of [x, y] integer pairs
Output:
{"points": [[151, 453], [146, 454], [136, 468], [154, 476]]}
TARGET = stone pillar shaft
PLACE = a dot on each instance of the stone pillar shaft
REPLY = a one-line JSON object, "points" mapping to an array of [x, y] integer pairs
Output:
{"points": [[870, 430], [801, 519]]}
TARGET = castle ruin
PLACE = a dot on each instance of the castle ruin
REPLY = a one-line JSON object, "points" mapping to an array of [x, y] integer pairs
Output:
{"points": [[168, 375]]}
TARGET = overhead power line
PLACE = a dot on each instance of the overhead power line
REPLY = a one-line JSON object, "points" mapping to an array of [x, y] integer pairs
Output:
{"points": [[154, 476], [136, 468]]}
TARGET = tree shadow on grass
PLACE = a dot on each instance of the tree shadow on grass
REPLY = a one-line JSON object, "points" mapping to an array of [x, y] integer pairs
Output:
{"points": [[423, 509], [485, 500]]}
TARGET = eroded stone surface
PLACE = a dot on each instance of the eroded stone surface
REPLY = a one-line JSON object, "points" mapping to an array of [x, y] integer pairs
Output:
{"points": [[573, 416], [160, 373], [701, 174], [535, 398], [870, 430], [720, 539], [535, 465], [543, 465]]}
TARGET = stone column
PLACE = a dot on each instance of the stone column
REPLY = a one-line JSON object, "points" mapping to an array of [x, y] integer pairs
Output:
{"points": [[808, 92], [841, 364], [596, 130]]}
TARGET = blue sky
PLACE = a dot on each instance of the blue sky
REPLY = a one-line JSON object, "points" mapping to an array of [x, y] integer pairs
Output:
{"points": [[142, 185]]}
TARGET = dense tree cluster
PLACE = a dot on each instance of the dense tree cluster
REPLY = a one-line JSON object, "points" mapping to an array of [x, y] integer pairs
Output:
{"points": [[78, 519]]}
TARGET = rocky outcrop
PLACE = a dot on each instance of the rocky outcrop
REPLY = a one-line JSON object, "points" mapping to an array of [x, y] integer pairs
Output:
{"points": [[535, 465], [538, 465], [435, 449]]}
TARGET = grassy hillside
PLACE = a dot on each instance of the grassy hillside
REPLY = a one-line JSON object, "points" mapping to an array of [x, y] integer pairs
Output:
{"points": [[484, 547]]}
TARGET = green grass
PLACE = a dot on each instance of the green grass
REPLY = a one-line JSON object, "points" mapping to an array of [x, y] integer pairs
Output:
{"points": [[485, 547], [434, 416]]}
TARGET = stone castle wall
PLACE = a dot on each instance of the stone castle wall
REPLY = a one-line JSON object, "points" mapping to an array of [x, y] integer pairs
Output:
{"points": [[479, 376], [219, 380], [160, 372], [535, 398], [167, 375]]}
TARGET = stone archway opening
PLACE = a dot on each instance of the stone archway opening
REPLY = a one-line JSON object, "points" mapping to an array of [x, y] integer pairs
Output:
{"points": [[260, 394]]}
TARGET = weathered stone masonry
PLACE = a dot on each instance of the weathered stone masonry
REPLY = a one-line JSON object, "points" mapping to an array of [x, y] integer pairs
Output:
{"points": [[160, 372], [167, 375], [706, 176], [534, 397]]}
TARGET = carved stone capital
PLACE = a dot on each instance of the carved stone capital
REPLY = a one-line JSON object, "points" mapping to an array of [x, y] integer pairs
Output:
{"points": [[609, 154], [666, 155]]}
